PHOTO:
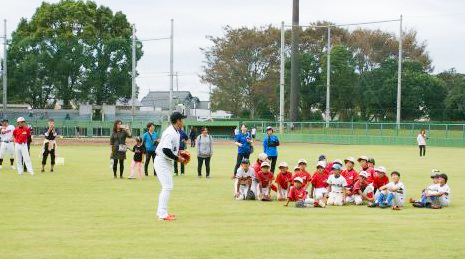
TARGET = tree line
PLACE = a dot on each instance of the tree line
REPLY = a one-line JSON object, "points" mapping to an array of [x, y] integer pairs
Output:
{"points": [[73, 51], [244, 64]]}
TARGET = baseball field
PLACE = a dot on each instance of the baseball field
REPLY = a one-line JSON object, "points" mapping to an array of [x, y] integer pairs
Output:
{"points": [[79, 211]]}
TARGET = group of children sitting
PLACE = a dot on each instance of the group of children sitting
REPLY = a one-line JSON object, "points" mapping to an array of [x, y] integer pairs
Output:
{"points": [[333, 184]]}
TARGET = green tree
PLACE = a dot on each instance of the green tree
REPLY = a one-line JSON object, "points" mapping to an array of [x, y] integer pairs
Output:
{"points": [[244, 67], [455, 99], [73, 51]]}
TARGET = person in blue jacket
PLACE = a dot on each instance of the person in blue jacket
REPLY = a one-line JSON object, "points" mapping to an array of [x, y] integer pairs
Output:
{"points": [[150, 141], [243, 141], [270, 147], [182, 146]]}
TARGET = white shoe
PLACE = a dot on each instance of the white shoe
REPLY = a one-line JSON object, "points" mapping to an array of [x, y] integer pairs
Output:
{"points": [[20, 173], [0, 167], [13, 167], [31, 173], [321, 203]]}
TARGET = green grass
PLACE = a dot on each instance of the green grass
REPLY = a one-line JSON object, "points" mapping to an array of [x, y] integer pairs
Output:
{"points": [[80, 212]]}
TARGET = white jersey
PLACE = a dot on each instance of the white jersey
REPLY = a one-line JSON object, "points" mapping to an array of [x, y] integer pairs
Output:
{"points": [[433, 188], [6, 134], [169, 139], [243, 174], [445, 188], [399, 186], [337, 184], [254, 131]]}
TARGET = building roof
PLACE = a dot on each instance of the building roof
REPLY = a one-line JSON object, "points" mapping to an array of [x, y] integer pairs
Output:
{"points": [[127, 102], [161, 99]]}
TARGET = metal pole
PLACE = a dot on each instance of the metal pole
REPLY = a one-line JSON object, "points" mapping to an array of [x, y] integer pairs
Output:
{"points": [[133, 94], [171, 67], [5, 76], [281, 83], [210, 100], [295, 65], [328, 77], [177, 83], [399, 76]]}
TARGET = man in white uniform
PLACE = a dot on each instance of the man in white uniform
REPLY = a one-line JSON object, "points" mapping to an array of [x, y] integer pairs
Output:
{"points": [[337, 184], [166, 152], [7, 146]]}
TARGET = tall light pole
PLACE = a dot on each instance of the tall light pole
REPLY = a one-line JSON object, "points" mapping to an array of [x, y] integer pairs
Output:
{"points": [[5, 76], [295, 67], [399, 76], [328, 77], [171, 66], [281, 83], [133, 93]]}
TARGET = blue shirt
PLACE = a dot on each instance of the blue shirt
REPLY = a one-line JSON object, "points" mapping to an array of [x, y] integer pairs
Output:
{"points": [[273, 150], [242, 138], [149, 141], [182, 138]]}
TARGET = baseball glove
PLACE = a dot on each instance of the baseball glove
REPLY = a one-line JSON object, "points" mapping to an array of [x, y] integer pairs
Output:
{"points": [[300, 204], [186, 155], [250, 195]]}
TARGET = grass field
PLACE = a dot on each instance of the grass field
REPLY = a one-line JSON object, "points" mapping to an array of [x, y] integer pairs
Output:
{"points": [[81, 212]]}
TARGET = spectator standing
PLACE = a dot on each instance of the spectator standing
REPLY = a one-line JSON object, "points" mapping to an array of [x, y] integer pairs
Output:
{"points": [[192, 136], [421, 141], [182, 145], [243, 141], [150, 141], [270, 147], [204, 151], [118, 146]]}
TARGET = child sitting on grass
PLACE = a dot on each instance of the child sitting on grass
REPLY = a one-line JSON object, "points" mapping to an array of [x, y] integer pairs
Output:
{"points": [[299, 195]]}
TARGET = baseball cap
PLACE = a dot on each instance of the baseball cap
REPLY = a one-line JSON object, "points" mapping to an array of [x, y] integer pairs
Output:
{"points": [[296, 168], [322, 157], [266, 163], [362, 158], [363, 174], [321, 164], [298, 179], [245, 161], [282, 164], [262, 156], [5, 120], [371, 160], [20, 119], [336, 167], [269, 128], [176, 116], [302, 161], [337, 161], [381, 169], [349, 159], [444, 176]]}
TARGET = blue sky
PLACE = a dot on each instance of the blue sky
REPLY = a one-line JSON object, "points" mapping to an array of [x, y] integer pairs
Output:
{"points": [[440, 23]]}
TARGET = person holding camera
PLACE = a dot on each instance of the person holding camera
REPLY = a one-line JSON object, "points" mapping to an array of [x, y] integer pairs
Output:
{"points": [[150, 141], [49, 146], [270, 147], [118, 146], [243, 141]]}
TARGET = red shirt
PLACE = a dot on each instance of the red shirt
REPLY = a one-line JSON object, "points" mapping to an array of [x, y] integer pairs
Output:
{"points": [[351, 177], [21, 135], [284, 180], [265, 179], [306, 177], [328, 168], [256, 167], [378, 182], [319, 180], [371, 174], [297, 195], [359, 186]]}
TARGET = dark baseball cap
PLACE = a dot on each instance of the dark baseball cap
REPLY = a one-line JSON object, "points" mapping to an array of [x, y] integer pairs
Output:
{"points": [[371, 160], [245, 161], [176, 116], [321, 157], [5, 120]]}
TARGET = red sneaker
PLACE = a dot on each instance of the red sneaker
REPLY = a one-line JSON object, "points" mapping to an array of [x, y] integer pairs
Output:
{"points": [[168, 218], [172, 215]]}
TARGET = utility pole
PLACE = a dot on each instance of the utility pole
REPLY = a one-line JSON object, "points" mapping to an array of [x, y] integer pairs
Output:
{"points": [[133, 93], [281, 83], [171, 67], [295, 68], [210, 100], [5, 76], [177, 84], [399, 76], [328, 77]]}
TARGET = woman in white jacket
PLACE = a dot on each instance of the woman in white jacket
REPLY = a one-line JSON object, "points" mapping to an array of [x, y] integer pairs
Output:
{"points": [[421, 141]]}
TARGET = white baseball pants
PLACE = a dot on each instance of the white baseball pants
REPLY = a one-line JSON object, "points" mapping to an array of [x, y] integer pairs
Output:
{"points": [[7, 149], [335, 198], [358, 199], [22, 153], [318, 193], [163, 168], [243, 189], [282, 193]]}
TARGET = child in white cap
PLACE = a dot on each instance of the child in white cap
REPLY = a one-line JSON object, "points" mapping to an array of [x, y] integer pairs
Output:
{"points": [[284, 181]]}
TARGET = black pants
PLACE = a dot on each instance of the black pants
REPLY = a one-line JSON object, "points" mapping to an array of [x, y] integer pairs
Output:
{"points": [[200, 163], [46, 153], [121, 167], [192, 142], [422, 148], [176, 167], [273, 162], [240, 156], [150, 157]]}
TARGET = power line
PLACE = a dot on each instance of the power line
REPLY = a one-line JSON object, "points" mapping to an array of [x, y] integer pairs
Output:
{"points": [[342, 25]]}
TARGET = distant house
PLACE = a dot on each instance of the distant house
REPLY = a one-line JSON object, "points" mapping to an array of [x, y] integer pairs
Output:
{"points": [[160, 100], [126, 104]]}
